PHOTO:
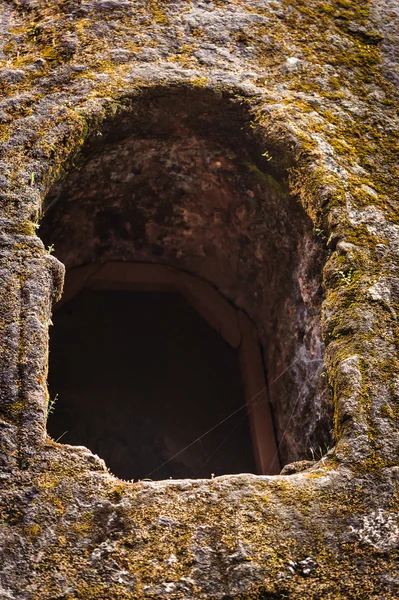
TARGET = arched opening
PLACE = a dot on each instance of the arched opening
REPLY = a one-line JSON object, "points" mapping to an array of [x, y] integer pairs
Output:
{"points": [[157, 373], [145, 378], [182, 180]]}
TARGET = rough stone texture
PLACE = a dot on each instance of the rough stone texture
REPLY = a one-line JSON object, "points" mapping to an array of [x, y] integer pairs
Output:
{"points": [[175, 182], [316, 79]]}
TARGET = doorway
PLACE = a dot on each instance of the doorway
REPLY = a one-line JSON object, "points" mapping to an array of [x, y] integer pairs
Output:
{"points": [[139, 377]]}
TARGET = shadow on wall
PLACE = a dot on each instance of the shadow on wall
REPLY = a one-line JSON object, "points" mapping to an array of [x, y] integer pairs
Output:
{"points": [[183, 179]]}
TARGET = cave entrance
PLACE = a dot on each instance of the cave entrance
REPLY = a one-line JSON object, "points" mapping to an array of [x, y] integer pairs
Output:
{"points": [[144, 360], [183, 178]]}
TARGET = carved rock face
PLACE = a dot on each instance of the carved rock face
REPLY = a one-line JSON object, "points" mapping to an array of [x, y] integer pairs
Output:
{"points": [[139, 128], [179, 181]]}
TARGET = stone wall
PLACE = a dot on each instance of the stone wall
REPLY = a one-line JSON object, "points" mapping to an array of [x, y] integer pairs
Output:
{"points": [[254, 144]]}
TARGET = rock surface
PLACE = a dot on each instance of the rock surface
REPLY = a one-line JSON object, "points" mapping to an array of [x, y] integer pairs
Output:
{"points": [[317, 81]]}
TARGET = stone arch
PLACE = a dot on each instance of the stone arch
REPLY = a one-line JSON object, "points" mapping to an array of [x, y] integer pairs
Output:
{"points": [[182, 179]]}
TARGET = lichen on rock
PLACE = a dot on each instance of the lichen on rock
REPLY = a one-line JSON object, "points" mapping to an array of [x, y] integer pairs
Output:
{"points": [[314, 83]]}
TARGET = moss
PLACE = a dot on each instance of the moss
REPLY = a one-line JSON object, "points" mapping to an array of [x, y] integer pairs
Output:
{"points": [[33, 531], [352, 142], [355, 140], [158, 13], [266, 178], [201, 82], [142, 557]]}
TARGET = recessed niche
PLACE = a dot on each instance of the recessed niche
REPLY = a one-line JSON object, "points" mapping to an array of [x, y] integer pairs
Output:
{"points": [[183, 179]]}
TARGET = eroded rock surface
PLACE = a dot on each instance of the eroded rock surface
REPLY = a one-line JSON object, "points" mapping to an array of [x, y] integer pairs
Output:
{"points": [[317, 83], [73, 531]]}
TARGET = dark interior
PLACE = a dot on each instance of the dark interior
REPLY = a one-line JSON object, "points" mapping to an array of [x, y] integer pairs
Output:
{"points": [[185, 179], [140, 376]]}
